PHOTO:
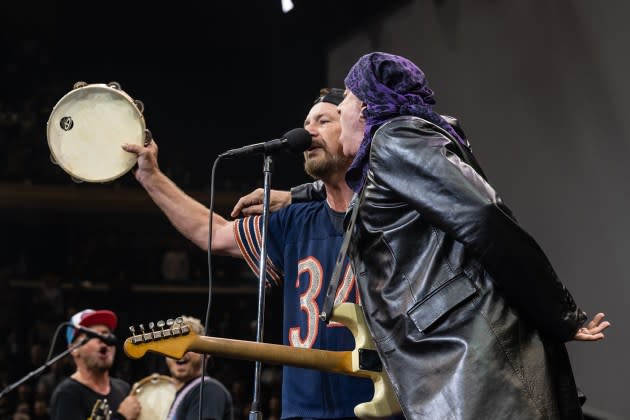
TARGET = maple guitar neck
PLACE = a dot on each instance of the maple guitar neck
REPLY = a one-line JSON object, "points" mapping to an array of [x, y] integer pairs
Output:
{"points": [[331, 361]]}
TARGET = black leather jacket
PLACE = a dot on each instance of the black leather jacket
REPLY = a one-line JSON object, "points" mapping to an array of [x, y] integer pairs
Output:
{"points": [[467, 313]]}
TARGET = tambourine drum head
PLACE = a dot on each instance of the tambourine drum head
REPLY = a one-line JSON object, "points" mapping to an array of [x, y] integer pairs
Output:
{"points": [[87, 128], [156, 393]]}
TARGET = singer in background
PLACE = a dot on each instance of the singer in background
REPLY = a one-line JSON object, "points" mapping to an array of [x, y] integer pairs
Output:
{"points": [[304, 240], [76, 396]]}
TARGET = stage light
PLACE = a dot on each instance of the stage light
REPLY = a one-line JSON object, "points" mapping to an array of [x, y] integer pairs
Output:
{"points": [[287, 5]]}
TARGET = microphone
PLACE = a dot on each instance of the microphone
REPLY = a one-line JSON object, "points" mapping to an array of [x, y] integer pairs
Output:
{"points": [[296, 140], [109, 339]]}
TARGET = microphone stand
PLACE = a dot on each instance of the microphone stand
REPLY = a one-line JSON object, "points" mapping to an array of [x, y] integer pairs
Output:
{"points": [[255, 413], [40, 369]]}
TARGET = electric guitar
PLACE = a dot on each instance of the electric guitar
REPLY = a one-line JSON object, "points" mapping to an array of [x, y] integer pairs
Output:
{"points": [[174, 339], [100, 411]]}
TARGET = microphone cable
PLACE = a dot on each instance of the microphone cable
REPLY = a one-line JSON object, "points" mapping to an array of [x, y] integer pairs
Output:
{"points": [[54, 340], [207, 318]]}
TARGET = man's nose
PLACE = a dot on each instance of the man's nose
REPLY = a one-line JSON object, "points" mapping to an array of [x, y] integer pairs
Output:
{"points": [[311, 130]]}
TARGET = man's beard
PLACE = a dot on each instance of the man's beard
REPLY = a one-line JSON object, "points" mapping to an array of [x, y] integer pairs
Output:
{"points": [[326, 166], [96, 364]]}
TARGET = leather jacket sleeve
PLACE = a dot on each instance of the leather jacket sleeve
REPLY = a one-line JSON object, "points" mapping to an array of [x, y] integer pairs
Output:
{"points": [[411, 159], [312, 191]]}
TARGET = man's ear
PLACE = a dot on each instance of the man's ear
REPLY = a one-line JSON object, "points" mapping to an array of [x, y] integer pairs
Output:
{"points": [[362, 116]]}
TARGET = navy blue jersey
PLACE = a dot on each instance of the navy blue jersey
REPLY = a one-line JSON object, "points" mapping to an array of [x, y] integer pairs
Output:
{"points": [[303, 242]]}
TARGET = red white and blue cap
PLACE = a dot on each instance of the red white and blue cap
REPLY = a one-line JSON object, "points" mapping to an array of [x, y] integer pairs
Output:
{"points": [[89, 317]]}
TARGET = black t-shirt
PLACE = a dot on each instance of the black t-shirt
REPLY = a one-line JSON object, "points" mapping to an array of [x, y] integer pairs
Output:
{"points": [[217, 401], [72, 400]]}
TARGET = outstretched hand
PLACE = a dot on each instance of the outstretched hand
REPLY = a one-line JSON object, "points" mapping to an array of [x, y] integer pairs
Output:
{"points": [[252, 203], [147, 159], [593, 330]]}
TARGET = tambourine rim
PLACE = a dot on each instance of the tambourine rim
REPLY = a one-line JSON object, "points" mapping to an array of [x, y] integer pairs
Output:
{"points": [[137, 386], [91, 86], [160, 382]]}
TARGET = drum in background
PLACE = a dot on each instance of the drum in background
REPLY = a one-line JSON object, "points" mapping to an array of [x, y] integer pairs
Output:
{"points": [[156, 394], [87, 127]]}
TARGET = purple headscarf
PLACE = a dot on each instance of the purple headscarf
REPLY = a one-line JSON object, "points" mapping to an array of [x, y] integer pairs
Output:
{"points": [[391, 86]]}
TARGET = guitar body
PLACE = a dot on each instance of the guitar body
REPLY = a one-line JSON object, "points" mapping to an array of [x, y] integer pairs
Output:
{"points": [[384, 402], [175, 340]]}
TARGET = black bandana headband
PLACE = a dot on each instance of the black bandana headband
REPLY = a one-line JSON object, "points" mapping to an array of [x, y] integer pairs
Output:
{"points": [[331, 95]]}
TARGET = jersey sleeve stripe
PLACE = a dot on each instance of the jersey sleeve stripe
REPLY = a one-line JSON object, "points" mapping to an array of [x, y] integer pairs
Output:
{"points": [[257, 223], [249, 247]]}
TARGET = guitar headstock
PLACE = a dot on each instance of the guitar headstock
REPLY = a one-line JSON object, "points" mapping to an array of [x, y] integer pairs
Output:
{"points": [[170, 338], [100, 410]]}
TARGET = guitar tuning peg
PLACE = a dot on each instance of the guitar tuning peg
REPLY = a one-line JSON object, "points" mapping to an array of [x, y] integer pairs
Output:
{"points": [[156, 334], [141, 326], [135, 339], [166, 332], [177, 328], [162, 333]]}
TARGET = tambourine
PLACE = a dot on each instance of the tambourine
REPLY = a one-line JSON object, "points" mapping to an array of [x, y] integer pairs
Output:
{"points": [[87, 127], [156, 393]]}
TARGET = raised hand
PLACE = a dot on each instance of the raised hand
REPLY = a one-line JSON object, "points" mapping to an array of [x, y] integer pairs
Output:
{"points": [[147, 159]]}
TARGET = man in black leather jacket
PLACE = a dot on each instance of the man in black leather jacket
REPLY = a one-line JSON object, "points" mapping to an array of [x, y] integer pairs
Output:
{"points": [[468, 314]]}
